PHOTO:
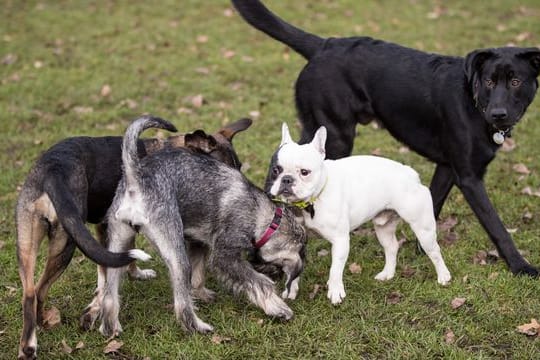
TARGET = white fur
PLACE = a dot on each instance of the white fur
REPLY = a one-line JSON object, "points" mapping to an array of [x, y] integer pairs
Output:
{"points": [[139, 255], [351, 191]]}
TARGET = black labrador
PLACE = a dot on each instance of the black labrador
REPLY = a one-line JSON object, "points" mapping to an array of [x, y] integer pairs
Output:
{"points": [[454, 111]]}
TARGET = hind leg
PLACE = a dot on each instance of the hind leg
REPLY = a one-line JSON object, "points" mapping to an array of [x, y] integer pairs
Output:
{"points": [[197, 257], [421, 219], [385, 228], [61, 249], [30, 231]]}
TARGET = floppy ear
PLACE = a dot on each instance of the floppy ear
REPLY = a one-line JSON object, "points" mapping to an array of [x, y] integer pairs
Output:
{"points": [[533, 56], [319, 140], [228, 131], [200, 141], [474, 62], [285, 135]]}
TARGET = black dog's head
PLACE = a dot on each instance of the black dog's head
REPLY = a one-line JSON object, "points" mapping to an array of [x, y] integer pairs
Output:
{"points": [[503, 82]]}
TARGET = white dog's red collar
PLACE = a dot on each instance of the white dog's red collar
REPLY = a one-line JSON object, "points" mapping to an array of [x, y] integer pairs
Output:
{"points": [[271, 228]]}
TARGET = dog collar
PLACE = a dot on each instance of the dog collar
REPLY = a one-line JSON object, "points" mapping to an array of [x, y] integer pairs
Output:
{"points": [[307, 205], [499, 135], [271, 228]]}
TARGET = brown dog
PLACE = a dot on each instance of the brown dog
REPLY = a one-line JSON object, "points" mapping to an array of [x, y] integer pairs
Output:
{"points": [[72, 183]]}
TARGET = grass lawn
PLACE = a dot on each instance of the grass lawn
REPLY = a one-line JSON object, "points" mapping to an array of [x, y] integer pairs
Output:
{"points": [[72, 68]]}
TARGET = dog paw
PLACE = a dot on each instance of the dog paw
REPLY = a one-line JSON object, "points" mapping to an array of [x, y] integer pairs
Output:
{"points": [[202, 327], [89, 317], [28, 352], [444, 278], [336, 293], [110, 330], [384, 276], [274, 306], [293, 293], [526, 270], [142, 274]]}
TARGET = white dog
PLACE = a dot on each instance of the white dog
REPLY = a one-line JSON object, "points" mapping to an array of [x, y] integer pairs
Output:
{"points": [[340, 195]]}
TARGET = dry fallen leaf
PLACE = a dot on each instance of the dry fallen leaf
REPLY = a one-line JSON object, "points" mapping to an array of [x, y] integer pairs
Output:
{"points": [[354, 268], [449, 337], [113, 346], [493, 275], [403, 150], [449, 238], [521, 169], [255, 114], [457, 302], [105, 90], [202, 39], [447, 223], [51, 318], [228, 12], [480, 258], [531, 329], [316, 289], [523, 36], [80, 345], [376, 152], [394, 297], [2, 244], [408, 272], [217, 339], [9, 59], [197, 100], [227, 54], [508, 145]]}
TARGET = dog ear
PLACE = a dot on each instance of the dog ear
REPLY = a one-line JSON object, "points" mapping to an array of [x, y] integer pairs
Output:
{"points": [[319, 140], [285, 135], [228, 131], [533, 56], [200, 141], [474, 62]]}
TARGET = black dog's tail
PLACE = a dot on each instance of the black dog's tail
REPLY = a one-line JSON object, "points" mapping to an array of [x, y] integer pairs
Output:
{"points": [[256, 14], [130, 157], [70, 218]]}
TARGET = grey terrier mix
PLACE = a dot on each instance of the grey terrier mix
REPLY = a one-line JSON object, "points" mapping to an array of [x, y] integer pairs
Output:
{"points": [[72, 183], [179, 201]]}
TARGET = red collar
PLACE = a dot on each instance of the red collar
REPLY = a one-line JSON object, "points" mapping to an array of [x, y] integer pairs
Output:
{"points": [[271, 228]]}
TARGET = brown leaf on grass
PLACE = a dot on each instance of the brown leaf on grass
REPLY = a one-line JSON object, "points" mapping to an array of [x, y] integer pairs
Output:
{"points": [[521, 169], [227, 54], [403, 150], [508, 145], [523, 36], [202, 70], [51, 318], [2, 244], [105, 90], [202, 39], [394, 297], [9, 59], [447, 223], [458, 302], [314, 292], [255, 114], [408, 272], [376, 152], [449, 238], [83, 109], [527, 216], [113, 347], [197, 100], [531, 329], [66, 348], [493, 276], [480, 258], [354, 268], [449, 337], [218, 339], [228, 12], [80, 345]]}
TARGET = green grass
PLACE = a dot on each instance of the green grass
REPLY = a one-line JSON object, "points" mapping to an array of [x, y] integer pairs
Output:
{"points": [[150, 54]]}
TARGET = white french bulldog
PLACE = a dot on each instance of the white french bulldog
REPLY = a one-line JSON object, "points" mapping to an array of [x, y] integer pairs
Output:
{"points": [[340, 195]]}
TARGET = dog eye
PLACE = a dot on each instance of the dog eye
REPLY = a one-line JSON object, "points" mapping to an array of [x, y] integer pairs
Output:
{"points": [[515, 82], [304, 172], [489, 83]]}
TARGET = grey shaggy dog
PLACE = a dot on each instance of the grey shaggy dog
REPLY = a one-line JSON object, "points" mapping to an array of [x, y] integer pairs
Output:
{"points": [[196, 210]]}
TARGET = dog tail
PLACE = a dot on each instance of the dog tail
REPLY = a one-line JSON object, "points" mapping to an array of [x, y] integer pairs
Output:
{"points": [[69, 216], [130, 157], [258, 16]]}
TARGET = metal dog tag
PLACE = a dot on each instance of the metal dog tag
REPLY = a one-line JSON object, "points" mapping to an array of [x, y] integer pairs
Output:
{"points": [[498, 137]]}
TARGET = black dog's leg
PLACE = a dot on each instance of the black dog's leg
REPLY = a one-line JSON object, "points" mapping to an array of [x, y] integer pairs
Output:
{"points": [[475, 193], [441, 184]]}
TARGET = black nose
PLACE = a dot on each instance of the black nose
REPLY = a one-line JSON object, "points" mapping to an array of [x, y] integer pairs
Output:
{"points": [[499, 114], [287, 180]]}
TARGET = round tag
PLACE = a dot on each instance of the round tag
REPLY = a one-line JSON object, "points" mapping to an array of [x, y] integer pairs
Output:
{"points": [[498, 137]]}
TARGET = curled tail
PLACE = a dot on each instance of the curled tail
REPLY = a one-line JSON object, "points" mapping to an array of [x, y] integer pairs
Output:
{"points": [[258, 15], [130, 158], [69, 215]]}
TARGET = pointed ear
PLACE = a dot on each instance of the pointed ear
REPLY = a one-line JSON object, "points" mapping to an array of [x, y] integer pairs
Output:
{"points": [[474, 62], [285, 135], [533, 56], [232, 129], [319, 140]]}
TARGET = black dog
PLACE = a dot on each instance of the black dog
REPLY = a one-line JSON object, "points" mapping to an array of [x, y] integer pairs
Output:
{"points": [[454, 111]]}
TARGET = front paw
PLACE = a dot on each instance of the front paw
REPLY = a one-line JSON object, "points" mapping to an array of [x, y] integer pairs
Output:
{"points": [[526, 269], [336, 293], [384, 275], [292, 293], [275, 307], [444, 278], [110, 330]]}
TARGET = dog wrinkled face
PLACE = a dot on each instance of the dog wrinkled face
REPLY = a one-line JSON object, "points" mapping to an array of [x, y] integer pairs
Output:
{"points": [[296, 170], [503, 82]]}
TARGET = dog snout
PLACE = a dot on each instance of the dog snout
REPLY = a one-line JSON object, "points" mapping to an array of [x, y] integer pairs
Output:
{"points": [[498, 114], [287, 180]]}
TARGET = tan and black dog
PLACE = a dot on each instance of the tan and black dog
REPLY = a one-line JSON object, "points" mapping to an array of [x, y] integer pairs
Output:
{"points": [[72, 183]]}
